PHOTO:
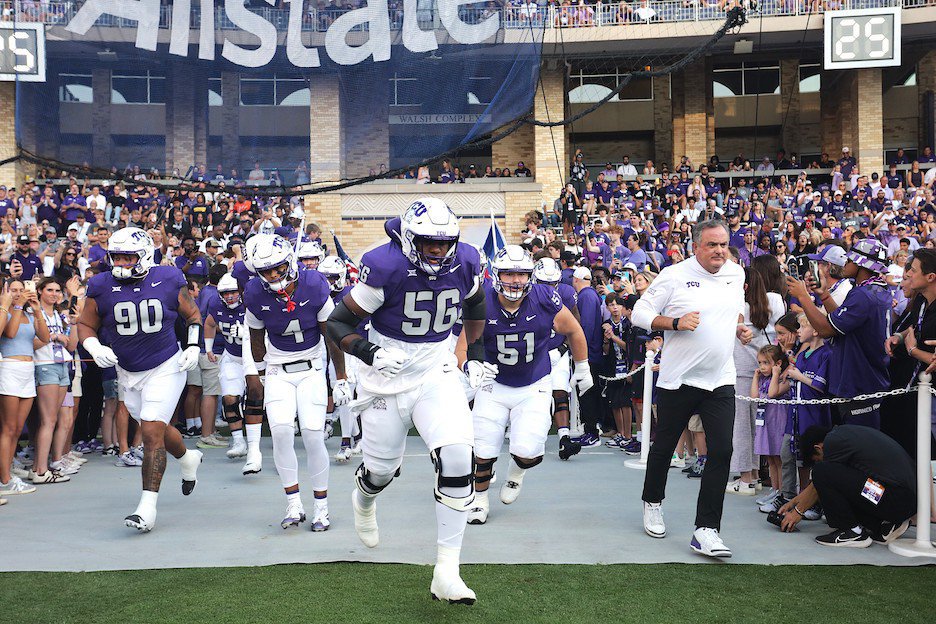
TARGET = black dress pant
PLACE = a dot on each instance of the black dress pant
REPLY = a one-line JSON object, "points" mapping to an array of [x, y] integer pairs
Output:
{"points": [[839, 487], [592, 404], [88, 418], [674, 408]]}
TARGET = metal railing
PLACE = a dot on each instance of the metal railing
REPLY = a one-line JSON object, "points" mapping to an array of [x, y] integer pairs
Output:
{"points": [[518, 15]]}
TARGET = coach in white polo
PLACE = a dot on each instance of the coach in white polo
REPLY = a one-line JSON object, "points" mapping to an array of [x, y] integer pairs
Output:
{"points": [[699, 305]]}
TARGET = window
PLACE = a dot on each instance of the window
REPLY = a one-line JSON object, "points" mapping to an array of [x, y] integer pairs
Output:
{"points": [[214, 91], [75, 88], [587, 87], [144, 87], [404, 91], [275, 91], [748, 79], [809, 78]]}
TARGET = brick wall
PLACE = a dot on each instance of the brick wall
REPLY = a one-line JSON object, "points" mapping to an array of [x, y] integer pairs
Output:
{"points": [[926, 81], [101, 144], [549, 144], [8, 173], [678, 107], [867, 122], [367, 140], [698, 113], [230, 123], [326, 153], [791, 131], [662, 122], [514, 148]]}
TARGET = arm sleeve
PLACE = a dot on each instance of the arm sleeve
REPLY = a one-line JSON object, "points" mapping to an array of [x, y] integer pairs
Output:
{"points": [[252, 321], [475, 308], [368, 297], [651, 304]]}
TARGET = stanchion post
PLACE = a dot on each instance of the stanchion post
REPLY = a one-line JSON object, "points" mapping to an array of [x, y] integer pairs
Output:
{"points": [[641, 464], [921, 547]]}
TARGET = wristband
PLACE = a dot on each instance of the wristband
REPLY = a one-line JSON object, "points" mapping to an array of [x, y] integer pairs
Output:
{"points": [[209, 345], [796, 509], [193, 335], [676, 323], [17, 307], [363, 350]]}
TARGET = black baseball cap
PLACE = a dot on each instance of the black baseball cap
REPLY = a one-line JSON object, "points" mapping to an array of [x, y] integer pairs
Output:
{"points": [[22, 240]]}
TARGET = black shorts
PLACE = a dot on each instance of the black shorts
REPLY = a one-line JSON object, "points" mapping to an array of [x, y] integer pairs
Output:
{"points": [[619, 393]]}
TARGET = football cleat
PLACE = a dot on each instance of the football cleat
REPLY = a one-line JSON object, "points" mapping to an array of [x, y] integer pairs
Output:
{"points": [[143, 520], [447, 585], [320, 518], [238, 449], [343, 454], [478, 514], [254, 463], [295, 515], [365, 521], [189, 464], [568, 448]]}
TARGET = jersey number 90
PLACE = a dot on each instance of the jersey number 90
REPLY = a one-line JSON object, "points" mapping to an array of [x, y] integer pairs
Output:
{"points": [[132, 318]]}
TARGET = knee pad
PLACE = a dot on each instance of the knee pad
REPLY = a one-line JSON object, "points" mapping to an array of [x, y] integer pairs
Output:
{"points": [[253, 407], [370, 484], [560, 401], [526, 464], [232, 413], [453, 470], [484, 465]]}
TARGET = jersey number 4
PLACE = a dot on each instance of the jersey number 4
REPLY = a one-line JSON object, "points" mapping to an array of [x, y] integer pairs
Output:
{"points": [[440, 319], [132, 318]]}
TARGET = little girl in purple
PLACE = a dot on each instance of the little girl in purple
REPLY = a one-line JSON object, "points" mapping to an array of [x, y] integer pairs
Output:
{"points": [[771, 417]]}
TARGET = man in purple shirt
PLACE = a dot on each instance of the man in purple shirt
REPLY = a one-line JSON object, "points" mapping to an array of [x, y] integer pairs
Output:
{"points": [[192, 262], [73, 205], [521, 318]]}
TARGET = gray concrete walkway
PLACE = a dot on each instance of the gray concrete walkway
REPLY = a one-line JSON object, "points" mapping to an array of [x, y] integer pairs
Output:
{"points": [[586, 510]]}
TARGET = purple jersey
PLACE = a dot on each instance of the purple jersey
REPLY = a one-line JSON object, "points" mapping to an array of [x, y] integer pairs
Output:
{"points": [[815, 365], [569, 299], [511, 340], [138, 318], [242, 274], [417, 307], [225, 318], [858, 364], [293, 331]]}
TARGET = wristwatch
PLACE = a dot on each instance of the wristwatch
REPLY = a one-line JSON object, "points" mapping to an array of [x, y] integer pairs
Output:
{"points": [[676, 323]]}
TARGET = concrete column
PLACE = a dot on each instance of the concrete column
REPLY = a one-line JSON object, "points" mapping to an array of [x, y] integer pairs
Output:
{"points": [[867, 101], [186, 117], [101, 143], [926, 87], [230, 120], [12, 174], [790, 100], [326, 150], [678, 126], [662, 121], [697, 90], [549, 144], [830, 119], [366, 142], [514, 148]]}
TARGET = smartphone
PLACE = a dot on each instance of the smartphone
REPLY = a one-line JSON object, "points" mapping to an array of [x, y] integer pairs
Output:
{"points": [[73, 305], [814, 271], [29, 286]]}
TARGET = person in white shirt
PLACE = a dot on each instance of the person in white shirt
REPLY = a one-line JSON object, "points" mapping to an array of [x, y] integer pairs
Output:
{"points": [[627, 169], [699, 304]]}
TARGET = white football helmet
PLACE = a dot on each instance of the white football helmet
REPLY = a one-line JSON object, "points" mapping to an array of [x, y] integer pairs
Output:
{"points": [[227, 285], [296, 215], [135, 242], [267, 251], [512, 259], [429, 219], [311, 250], [547, 272], [335, 268]]}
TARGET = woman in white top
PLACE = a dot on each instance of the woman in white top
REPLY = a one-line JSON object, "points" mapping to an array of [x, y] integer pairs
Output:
{"points": [[52, 381], [17, 376]]}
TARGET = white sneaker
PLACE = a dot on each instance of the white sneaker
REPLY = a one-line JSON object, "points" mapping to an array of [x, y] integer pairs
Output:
{"points": [[143, 519], [78, 457], [740, 487], [128, 460], [706, 541], [137, 452], [343, 454], [511, 490], [768, 497], [320, 520], [16, 486], [189, 468], [447, 585], [64, 467], [478, 513], [238, 449], [295, 515], [49, 476], [653, 519], [677, 461], [254, 463], [365, 521], [220, 423], [356, 448], [22, 473]]}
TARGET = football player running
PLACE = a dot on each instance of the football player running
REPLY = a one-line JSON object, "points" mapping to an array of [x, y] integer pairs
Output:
{"points": [[336, 272], [310, 254], [286, 313], [521, 317], [547, 272], [226, 315], [134, 306], [412, 289]]}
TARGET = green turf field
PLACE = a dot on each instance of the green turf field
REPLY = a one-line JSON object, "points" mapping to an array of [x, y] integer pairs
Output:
{"points": [[349, 592]]}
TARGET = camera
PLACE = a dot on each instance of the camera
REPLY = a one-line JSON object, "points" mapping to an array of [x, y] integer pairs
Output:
{"points": [[776, 519]]}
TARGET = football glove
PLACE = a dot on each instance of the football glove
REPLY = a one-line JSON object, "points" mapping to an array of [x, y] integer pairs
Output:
{"points": [[581, 377], [479, 373]]}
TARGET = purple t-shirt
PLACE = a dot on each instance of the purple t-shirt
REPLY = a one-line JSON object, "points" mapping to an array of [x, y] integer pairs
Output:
{"points": [[418, 307], [569, 298], [225, 318], [199, 266], [858, 363], [138, 318], [297, 330], [75, 206], [519, 343], [815, 365]]}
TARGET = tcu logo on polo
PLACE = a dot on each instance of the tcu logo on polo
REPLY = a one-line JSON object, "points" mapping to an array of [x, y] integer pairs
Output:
{"points": [[692, 284]]}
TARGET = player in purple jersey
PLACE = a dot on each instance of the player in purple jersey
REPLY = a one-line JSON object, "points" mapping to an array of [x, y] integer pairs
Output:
{"points": [[310, 254], [521, 318], [548, 273], [286, 313], [336, 272], [412, 288], [135, 305], [225, 314]]}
